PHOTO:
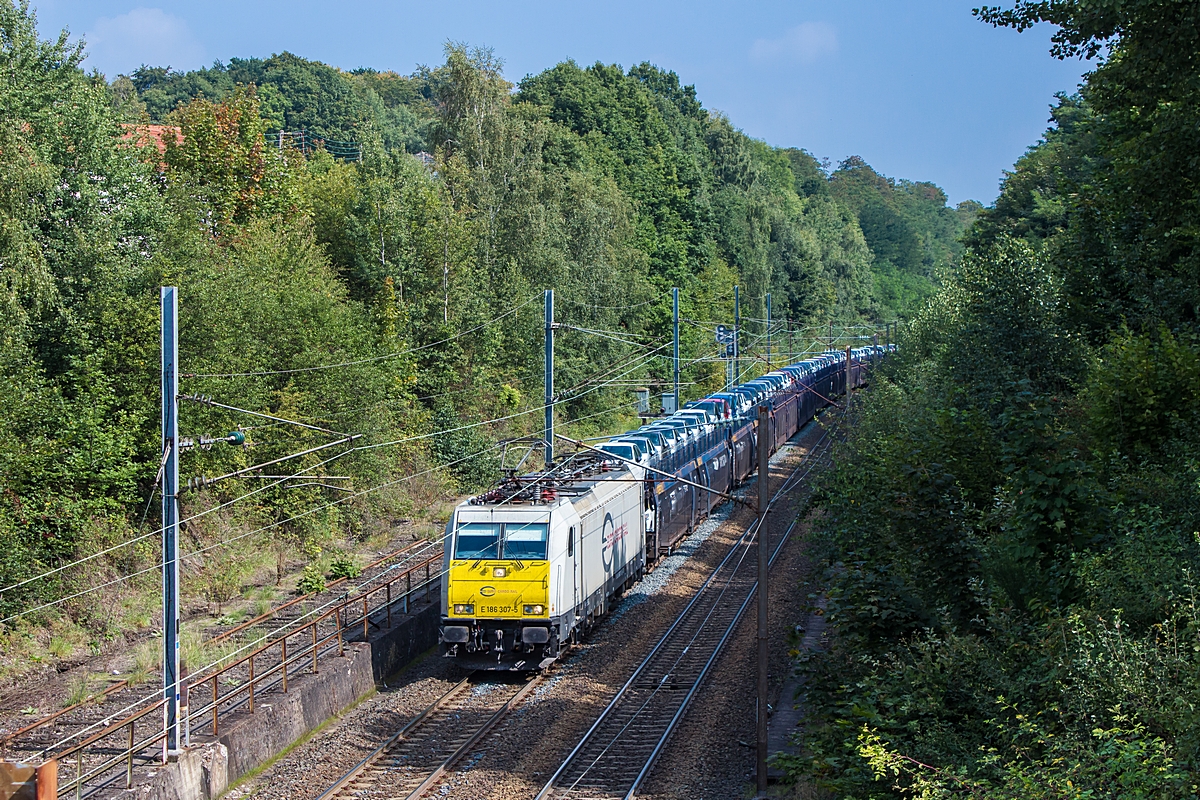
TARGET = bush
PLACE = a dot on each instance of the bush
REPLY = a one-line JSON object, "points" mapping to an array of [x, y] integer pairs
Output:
{"points": [[311, 580], [343, 566]]}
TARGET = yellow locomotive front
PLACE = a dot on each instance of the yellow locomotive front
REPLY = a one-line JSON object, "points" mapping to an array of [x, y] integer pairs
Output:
{"points": [[496, 594]]}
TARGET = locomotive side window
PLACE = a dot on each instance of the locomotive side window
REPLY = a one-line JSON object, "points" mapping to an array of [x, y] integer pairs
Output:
{"points": [[526, 540], [571, 542], [477, 540]]}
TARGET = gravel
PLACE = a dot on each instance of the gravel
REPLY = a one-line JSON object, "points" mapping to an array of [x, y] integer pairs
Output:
{"points": [[520, 755]]}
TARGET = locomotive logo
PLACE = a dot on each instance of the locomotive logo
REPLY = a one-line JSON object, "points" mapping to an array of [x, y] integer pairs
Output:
{"points": [[487, 591], [613, 542]]}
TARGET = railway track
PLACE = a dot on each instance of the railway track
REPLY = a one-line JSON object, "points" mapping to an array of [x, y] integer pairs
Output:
{"points": [[617, 753], [62, 730], [413, 761]]}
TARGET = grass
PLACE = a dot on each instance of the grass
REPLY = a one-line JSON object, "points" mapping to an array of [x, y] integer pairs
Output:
{"points": [[79, 690], [60, 647], [234, 617], [197, 651], [145, 661]]}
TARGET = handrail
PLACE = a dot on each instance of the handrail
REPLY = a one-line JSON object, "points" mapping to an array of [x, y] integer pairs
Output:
{"points": [[346, 614], [271, 614], [8, 739]]}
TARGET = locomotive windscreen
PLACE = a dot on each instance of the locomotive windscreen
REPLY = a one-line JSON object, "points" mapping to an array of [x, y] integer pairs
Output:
{"points": [[526, 540], [477, 540]]}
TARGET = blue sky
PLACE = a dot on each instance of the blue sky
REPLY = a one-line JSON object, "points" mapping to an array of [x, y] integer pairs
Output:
{"points": [[921, 90]]}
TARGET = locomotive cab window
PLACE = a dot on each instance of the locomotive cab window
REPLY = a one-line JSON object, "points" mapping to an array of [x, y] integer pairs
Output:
{"points": [[526, 540], [571, 541], [477, 540]]}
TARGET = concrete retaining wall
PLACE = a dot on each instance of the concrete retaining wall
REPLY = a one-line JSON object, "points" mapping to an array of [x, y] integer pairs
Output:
{"points": [[392, 650], [247, 741]]}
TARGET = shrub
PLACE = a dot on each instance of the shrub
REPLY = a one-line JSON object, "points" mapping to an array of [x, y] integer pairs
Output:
{"points": [[311, 580], [343, 566]]}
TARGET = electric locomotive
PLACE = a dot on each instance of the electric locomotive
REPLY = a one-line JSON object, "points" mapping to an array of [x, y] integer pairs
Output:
{"points": [[536, 561]]}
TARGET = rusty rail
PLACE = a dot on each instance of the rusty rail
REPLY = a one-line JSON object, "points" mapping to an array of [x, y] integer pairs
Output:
{"points": [[7, 740], [275, 611], [300, 649]]}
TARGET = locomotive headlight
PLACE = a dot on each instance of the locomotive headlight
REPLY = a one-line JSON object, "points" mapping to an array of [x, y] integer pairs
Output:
{"points": [[464, 608], [499, 572], [534, 610]]}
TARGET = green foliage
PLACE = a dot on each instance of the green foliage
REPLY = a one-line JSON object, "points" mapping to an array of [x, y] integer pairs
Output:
{"points": [[302, 95], [912, 234], [390, 299], [1011, 529], [468, 454], [343, 566], [311, 580], [1143, 395]]}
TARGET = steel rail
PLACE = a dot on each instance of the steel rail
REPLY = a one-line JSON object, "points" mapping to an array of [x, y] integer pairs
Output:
{"points": [[680, 620], [658, 748], [482, 731], [701, 593], [426, 717], [362, 766]]}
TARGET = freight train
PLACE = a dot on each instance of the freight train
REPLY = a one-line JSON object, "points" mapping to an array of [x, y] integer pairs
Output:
{"points": [[533, 563]]}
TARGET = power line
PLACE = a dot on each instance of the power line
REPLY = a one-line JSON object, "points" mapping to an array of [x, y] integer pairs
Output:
{"points": [[371, 360], [654, 299], [276, 524]]}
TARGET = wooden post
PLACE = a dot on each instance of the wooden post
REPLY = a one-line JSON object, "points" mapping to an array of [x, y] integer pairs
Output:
{"points": [[79, 775], [251, 683], [366, 621], [314, 647], [216, 730], [285, 666]]}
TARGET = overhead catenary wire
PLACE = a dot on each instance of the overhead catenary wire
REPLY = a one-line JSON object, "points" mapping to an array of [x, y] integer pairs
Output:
{"points": [[259, 490], [642, 358], [266, 636], [267, 487], [360, 361], [644, 303]]}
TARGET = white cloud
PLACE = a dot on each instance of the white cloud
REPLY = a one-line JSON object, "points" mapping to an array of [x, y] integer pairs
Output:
{"points": [[805, 43], [143, 36]]}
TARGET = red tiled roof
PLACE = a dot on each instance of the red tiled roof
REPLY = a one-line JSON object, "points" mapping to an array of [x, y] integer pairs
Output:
{"points": [[156, 134]]}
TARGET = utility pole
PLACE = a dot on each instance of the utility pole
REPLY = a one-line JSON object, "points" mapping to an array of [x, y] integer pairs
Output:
{"points": [[764, 475], [549, 378], [737, 335], [168, 297], [768, 331], [675, 321], [830, 334]]}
